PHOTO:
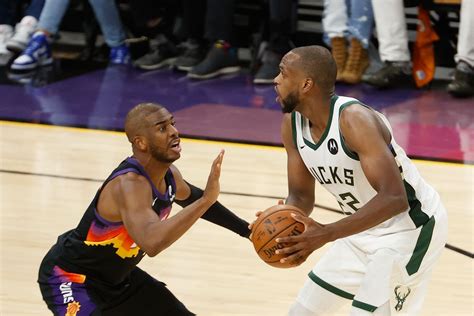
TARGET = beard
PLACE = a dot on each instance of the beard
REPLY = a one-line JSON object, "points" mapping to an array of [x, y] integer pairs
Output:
{"points": [[161, 156], [289, 103]]}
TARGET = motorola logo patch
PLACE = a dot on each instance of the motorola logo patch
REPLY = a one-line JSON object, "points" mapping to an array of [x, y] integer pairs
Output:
{"points": [[332, 146]]}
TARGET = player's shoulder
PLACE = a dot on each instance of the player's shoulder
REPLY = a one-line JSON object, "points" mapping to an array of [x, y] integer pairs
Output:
{"points": [[130, 179], [352, 110], [357, 117]]}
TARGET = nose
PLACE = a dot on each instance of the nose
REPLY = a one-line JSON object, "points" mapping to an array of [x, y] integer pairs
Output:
{"points": [[173, 130], [276, 79]]}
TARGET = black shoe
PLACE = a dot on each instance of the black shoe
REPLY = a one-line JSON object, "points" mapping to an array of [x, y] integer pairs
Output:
{"points": [[462, 85], [220, 60], [269, 69], [194, 53], [392, 74], [162, 55]]}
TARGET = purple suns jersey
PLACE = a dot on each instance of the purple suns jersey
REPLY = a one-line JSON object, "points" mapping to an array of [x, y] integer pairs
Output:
{"points": [[102, 250]]}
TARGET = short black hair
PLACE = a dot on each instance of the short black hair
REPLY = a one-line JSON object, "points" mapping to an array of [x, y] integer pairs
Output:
{"points": [[317, 62], [135, 121]]}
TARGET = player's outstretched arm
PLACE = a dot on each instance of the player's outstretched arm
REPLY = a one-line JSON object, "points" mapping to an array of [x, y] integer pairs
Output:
{"points": [[143, 224], [186, 194]]}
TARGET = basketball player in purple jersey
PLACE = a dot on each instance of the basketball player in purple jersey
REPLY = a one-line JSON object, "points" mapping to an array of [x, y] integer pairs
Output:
{"points": [[92, 269]]}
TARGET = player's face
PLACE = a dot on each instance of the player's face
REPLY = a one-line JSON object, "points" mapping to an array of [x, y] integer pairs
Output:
{"points": [[163, 137], [286, 85]]}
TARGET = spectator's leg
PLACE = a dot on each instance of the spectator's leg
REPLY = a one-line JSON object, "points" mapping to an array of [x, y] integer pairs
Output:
{"points": [[335, 26], [393, 45], [391, 30], [219, 20], [194, 12], [335, 19], [25, 29], [38, 52], [6, 29], [222, 57], [360, 30], [109, 20], [466, 34], [463, 82], [7, 12], [52, 15], [157, 20], [35, 8], [281, 28]]}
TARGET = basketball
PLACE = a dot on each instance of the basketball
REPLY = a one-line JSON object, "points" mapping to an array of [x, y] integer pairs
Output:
{"points": [[276, 221]]}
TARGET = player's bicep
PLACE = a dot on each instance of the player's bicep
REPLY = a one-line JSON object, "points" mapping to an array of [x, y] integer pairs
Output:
{"points": [[134, 196], [365, 135]]}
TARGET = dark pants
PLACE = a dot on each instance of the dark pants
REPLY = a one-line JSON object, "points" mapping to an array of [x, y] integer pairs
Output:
{"points": [[143, 11], [10, 10], [282, 24], [194, 13], [219, 19]]}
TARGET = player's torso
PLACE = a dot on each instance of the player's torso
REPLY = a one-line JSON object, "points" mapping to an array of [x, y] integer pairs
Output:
{"points": [[102, 249], [330, 162], [339, 170]]}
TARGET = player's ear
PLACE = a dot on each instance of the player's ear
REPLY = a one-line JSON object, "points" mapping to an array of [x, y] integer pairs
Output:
{"points": [[308, 83], [141, 143]]}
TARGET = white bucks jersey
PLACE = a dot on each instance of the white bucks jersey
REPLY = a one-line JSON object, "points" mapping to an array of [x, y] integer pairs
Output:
{"points": [[339, 170]]}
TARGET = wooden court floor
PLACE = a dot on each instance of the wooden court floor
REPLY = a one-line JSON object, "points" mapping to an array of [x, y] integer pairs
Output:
{"points": [[49, 175]]}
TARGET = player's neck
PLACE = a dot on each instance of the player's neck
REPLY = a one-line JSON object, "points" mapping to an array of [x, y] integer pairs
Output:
{"points": [[155, 169], [316, 110]]}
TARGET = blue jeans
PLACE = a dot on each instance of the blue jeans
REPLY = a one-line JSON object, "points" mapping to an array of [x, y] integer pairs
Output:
{"points": [[105, 11], [349, 19], [8, 10]]}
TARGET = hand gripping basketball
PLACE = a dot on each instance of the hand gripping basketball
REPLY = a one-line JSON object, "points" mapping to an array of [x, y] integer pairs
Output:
{"points": [[276, 221]]}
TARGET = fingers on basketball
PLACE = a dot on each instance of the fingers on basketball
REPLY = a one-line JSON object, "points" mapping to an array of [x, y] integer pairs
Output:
{"points": [[272, 223]]}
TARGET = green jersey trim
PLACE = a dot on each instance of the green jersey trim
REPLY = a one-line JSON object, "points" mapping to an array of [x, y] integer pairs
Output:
{"points": [[364, 306], [309, 143], [330, 287], [418, 217], [348, 152], [293, 127], [421, 247]]}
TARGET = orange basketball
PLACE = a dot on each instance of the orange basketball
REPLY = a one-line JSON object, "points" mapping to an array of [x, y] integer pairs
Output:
{"points": [[275, 221]]}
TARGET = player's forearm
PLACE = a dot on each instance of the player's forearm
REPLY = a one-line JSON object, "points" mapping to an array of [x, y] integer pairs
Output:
{"points": [[306, 204], [173, 228], [375, 212], [218, 214]]}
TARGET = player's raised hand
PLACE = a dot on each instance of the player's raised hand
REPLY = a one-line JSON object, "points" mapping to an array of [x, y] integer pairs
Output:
{"points": [[212, 190]]}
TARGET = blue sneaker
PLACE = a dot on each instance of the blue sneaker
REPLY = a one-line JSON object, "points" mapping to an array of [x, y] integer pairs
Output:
{"points": [[37, 53], [119, 55]]}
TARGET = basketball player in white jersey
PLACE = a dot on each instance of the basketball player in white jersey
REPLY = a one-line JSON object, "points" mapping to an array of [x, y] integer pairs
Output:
{"points": [[384, 250]]}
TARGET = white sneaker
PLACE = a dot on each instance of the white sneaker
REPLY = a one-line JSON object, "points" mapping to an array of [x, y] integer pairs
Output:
{"points": [[37, 53], [6, 32], [22, 35]]}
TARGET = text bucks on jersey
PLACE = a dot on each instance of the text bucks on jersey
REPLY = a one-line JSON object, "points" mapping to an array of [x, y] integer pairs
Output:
{"points": [[339, 170]]}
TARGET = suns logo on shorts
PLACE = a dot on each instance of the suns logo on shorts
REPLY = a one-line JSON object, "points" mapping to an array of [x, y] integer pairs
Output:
{"points": [[73, 308]]}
